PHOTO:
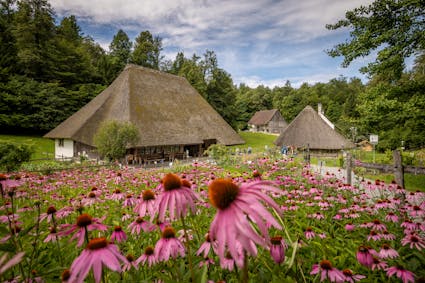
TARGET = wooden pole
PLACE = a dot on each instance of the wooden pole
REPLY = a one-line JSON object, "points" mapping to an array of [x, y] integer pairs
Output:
{"points": [[398, 168], [348, 167]]}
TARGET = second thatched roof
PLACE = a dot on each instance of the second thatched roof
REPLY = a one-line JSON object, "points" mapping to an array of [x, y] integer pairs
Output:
{"points": [[308, 129], [165, 108], [262, 117]]}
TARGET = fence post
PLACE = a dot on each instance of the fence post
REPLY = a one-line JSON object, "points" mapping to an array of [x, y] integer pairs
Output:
{"points": [[348, 167], [398, 168]]}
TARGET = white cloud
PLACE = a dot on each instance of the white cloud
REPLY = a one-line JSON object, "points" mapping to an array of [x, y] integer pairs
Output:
{"points": [[248, 36]]}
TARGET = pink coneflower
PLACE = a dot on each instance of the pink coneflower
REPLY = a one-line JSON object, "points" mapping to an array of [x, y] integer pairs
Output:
{"points": [[391, 217], [5, 265], [175, 198], [228, 262], [414, 241], [350, 227], [125, 216], [91, 199], [387, 252], [130, 263], [337, 217], [129, 201], [378, 225], [350, 277], [365, 256], [207, 261], [98, 252], [317, 215], [405, 275], [118, 235], [84, 222], [388, 236], [117, 195], [146, 204], [49, 215], [378, 264], [140, 224], [205, 247], [309, 233], [52, 237], [374, 236], [148, 257], [277, 249], [416, 211], [231, 224], [327, 272], [168, 246], [409, 225]]}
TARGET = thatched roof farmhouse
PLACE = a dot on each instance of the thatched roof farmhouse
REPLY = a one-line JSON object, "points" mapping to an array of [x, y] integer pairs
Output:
{"points": [[171, 116], [268, 121], [310, 130]]}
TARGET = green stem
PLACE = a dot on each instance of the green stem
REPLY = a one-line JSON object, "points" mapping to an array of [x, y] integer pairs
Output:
{"points": [[245, 275], [189, 255], [57, 241], [283, 225]]}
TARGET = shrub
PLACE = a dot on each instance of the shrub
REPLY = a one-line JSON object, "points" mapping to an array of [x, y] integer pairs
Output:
{"points": [[13, 155], [113, 138]]}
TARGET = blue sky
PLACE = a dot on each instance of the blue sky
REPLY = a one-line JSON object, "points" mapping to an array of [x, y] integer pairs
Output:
{"points": [[257, 41]]}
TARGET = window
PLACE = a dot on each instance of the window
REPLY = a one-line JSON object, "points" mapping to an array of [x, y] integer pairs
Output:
{"points": [[60, 143]]}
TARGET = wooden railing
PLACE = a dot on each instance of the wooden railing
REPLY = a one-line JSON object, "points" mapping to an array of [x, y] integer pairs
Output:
{"points": [[398, 169]]}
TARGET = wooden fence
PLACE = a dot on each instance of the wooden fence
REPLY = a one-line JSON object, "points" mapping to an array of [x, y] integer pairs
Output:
{"points": [[398, 169]]}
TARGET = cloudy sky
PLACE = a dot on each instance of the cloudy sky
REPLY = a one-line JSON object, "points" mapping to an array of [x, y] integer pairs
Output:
{"points": [[257, 41]]}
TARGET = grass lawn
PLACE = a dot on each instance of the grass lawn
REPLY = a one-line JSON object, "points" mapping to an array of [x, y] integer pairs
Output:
{"points": [[257, 141], [43, 148], [411, 182]]}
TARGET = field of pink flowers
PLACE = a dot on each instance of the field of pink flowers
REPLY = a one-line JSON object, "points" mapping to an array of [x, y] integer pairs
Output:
{"points": [[263, 221]]}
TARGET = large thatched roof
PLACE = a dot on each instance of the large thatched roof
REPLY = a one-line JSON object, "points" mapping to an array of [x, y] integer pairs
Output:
{"points": [[165, 108], [309, 129]]}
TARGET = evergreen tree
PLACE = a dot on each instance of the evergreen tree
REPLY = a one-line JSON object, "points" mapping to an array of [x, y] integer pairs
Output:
{"points": [[147, 50], [7, 40], [34, 32], [120, 52]]}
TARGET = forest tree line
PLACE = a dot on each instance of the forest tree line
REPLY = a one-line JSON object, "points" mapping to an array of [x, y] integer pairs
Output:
{"points": [[49, 70]]}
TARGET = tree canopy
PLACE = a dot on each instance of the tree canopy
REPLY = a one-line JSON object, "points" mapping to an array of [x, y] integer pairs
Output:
{"points": [[393, 28]]}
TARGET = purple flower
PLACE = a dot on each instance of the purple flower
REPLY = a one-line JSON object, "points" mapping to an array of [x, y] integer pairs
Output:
{"points": [[175, 198], [205, 247], [277, 249], [365, 256], [168, 246], [350, 277], [238, 207], [405, 275], [387, 252], [140, 224], [309, 233], [327, 272], [84, 221], [148, 257], [99, 252], [13, 261], [378, 264], [350, 227], [146, 204], [118, 235], [414, 241]]}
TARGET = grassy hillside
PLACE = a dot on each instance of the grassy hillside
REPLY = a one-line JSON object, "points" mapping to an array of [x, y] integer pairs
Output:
{"points": [[43, 148]]}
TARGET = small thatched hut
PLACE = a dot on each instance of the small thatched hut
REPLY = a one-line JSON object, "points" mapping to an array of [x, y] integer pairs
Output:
{"points": [[172, 118], [268, 121], [310, 130]]}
